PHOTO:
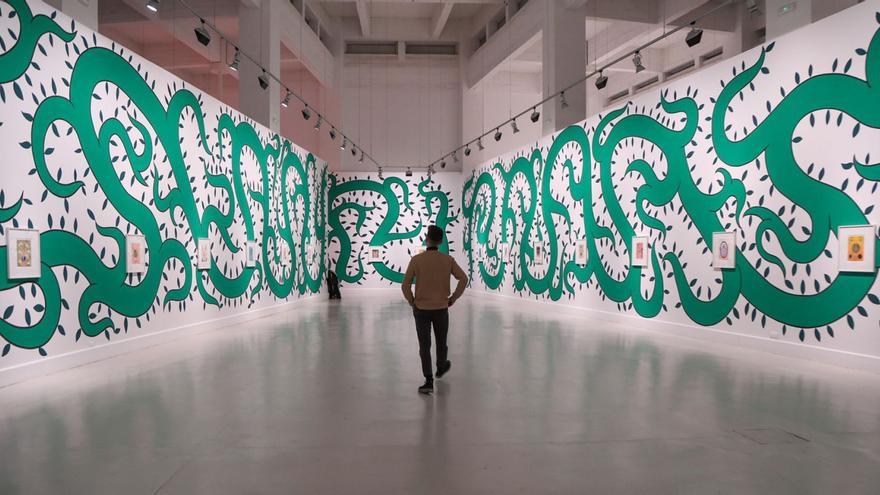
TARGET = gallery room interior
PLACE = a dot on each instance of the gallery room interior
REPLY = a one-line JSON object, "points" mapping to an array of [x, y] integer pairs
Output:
{"points": [[227, 228]]}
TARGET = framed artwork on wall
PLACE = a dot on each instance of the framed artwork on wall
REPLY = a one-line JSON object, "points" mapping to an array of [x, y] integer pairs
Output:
{"points": [[23, 253], [203, 249], [539, 254], [580, 252], [135, 254], [724, 250], [374, 254], [639, 255], [251, 254], [856, 248]]}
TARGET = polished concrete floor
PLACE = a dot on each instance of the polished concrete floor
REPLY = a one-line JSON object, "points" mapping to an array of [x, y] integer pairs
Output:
{"points": [[322, 399]]}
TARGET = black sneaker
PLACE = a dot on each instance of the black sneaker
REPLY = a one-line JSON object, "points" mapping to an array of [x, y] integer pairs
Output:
{"points": [[442, 370], [427, 388]]}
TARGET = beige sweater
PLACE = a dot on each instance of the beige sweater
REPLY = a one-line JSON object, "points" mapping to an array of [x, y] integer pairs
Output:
{"points": [[431, 271]]}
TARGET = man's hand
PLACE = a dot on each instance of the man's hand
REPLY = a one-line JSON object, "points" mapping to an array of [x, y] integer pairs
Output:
{"points": [[451, 302]]}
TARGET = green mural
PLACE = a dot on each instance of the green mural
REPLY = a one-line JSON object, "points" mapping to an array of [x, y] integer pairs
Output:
{"points": [[400, 212], [519, 203], [288, 195]]}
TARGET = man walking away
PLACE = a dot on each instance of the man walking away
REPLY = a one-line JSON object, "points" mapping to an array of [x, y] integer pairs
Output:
{"points": [[432, 300]]}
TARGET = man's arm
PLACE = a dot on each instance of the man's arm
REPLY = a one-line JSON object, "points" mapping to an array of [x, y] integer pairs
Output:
{"points": [[407, 283], [462, 278]]}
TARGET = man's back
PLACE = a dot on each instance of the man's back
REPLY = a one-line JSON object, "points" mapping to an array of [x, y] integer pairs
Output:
{"points": [[431, 271]]}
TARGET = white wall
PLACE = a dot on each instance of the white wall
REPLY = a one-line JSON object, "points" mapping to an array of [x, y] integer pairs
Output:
{"points": [[796, 172]]}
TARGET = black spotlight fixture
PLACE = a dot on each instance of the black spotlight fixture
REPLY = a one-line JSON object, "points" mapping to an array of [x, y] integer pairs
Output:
{"points": [[601, 81], [286, 101], [263, 79], [467, 150], [202, 33], [562, 101], [498, 134], [361, 159], [307, 114], [354, 150], [637, 62], [480, 143], [153, 5], [380, 174], [344, 143], [694, 37], [455, 156], [442, 163], [236, 60], [332, 133], [408, 172], [535, 115], [513, 126], [318, 123]]}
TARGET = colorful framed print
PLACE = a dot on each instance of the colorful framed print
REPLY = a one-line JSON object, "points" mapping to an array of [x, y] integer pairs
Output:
{"points": [[581, 255], [639, 254], [251, 254], [135, 254], [374, 254], [203, 250], [23, 253], [724, 250], [856, 252], [539, 254]]}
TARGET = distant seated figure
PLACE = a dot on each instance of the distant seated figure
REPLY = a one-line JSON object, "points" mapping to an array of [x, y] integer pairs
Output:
{"points": [[333, 285]]}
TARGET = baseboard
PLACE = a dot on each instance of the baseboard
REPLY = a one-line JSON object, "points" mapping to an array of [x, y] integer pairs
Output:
{"points": [[714, 336], [80, 357]]}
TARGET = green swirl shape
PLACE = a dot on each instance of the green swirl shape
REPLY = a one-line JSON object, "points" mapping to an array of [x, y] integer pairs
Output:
{"points": [[159, 125], [521, 200]]}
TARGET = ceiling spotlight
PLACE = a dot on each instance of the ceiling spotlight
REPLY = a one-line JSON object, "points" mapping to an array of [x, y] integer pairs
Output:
{"points": [[361, 159], [307, 114], [498, 134], [264, 80], [235, 61], [430, 171], [454, 156], [380, 174], [480, 144], [442, 163], [202, 34], [408, 172], [318, 123], [286, 101], [752, 6], [637, 62], [153, 5], [535, 115], [601, 81], [353, 151], [467, 150], [562, 101], [344, 143], [694, 37], [332, 133], [513, 126]]}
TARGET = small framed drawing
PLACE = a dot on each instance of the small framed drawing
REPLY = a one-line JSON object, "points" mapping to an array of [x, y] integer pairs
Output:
{"points": [[135, 254], [251, 254], [374, 254], [203, 249], [856, 248], [23, 253], [724, 250], [504, 251], [580, 252], [539, 254], [639, 252]]}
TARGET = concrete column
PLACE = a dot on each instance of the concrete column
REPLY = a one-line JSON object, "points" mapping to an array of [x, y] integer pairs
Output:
{"points": [[84, 12], [565, 58], [784, 16], [261, 38]]}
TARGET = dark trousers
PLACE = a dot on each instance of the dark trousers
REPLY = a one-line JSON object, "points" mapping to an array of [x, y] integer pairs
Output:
{"points": [[425, 319]]}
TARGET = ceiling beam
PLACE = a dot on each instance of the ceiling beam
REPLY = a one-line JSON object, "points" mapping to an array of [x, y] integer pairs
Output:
{"points": [[363, 12], [438, 20]]}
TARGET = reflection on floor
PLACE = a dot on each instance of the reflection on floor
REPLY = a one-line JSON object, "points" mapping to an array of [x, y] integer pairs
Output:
{"points": [[322, 399]]}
